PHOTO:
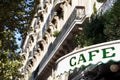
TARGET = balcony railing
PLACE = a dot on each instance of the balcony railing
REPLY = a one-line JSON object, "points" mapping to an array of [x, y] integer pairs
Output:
{"points": [[77, 17]]}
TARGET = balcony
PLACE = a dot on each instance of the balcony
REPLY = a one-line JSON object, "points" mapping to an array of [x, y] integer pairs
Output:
{"points": [[77, 17]]}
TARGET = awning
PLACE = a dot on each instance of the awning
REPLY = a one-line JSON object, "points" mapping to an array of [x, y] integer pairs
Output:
{"points": [[99, 53]]}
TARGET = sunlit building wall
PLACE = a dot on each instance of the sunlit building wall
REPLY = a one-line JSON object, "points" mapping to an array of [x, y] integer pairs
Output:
{"points": [[51, 35]]}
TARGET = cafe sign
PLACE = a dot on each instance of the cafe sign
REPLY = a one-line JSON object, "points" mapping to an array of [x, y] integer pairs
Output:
{"points": [[94, 54]]}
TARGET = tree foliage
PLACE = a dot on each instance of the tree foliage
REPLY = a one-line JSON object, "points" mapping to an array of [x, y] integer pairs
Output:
{"points": [[56, 33], [101, 28], [15, 18], [112, 24]]}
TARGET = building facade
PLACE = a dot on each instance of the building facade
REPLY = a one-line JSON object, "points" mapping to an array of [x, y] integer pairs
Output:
{"points": [[51, 37]]}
